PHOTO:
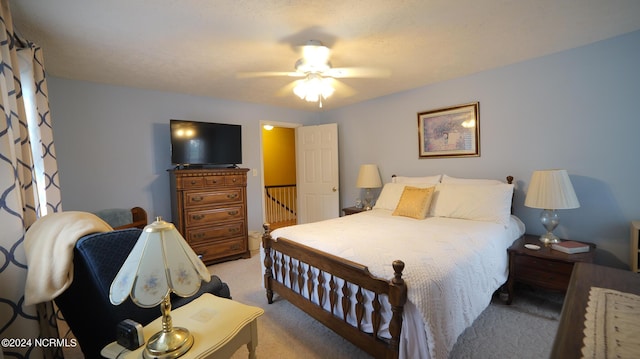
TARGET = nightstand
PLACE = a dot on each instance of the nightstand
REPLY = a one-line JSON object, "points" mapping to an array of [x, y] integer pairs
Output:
{"points": [[351, 210], [544, 268]]}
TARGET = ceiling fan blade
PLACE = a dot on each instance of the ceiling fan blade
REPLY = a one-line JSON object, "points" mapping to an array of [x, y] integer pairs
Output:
{"points": [[354, 72], [249, 75], [287, 90], [342, 89]]}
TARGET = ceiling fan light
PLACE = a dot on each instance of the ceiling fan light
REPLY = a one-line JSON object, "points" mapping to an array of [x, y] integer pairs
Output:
{"points": [[300, 89], [327, 91], [313, 87], [312, 97], [315, 54]]}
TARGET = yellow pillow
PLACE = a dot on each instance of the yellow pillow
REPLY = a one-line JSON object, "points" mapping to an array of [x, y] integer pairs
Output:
{"points": [[414, 202]]}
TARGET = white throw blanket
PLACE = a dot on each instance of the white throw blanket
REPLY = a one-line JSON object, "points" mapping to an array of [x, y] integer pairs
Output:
{"points": [[48, 246]]}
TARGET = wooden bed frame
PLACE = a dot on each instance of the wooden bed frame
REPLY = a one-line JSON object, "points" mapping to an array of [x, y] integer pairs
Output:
{"points": [[285, 275], [285, 262]]}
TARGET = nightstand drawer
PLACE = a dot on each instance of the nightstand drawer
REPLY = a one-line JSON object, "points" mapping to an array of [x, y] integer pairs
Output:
{"points": [[544, 273], [526, 263]]}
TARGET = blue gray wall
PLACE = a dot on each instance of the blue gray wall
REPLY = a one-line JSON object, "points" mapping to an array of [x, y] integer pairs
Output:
{"points": [[113, 148], [574, 110]]}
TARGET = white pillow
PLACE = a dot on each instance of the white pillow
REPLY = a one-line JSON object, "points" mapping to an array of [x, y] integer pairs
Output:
{"points": [[477, 202], [391, 193], [432, 180], [448, 179]]}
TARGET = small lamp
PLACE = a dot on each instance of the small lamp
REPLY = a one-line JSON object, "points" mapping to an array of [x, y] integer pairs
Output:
{"points": [[368, 178], [550, 190], [161, 262]]}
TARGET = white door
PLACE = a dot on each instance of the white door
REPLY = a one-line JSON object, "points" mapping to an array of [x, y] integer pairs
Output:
{"points": [[317, 172]]}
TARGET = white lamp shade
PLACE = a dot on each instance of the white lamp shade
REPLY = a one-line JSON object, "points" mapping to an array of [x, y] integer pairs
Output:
{"points": [[160, 262], [551, 189], [369, 177]]}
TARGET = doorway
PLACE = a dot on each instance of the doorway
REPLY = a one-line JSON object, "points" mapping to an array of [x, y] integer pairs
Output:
{"points": [[279, 174], [308, 179]]}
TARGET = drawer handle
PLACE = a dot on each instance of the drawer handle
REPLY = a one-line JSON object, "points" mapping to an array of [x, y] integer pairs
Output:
{"points": [[235, 246], [232, 195], [194, 182], [197, 199], [234, 230], [197, 217], [233, 180], [232, 213], [198, 236]]}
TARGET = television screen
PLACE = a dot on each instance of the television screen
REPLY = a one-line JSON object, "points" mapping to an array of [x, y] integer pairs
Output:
{"points": [[205, 143]]}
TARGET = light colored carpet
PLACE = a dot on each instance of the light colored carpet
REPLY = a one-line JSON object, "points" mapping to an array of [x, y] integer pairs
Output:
{"points": [[525, 329]]}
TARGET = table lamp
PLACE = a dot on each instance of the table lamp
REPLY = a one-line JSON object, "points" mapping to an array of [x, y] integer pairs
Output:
{"points": [[368, 178], [161, 262], [550, 190]]}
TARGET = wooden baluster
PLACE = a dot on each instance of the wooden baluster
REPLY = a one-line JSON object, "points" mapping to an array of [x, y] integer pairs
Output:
{"points": [[310, 281], [292, 273], [346, 300], [359, 307], [300, 277], [376, 315], [283, 269], [333, 294], [320, 288]]}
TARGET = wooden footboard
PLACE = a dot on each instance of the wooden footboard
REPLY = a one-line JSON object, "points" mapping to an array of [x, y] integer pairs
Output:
{"points": [[291, 271]]}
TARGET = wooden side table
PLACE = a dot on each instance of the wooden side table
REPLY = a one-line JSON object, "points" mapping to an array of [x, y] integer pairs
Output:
{"points": [[219, 327], [351, 210], [544, 268]]}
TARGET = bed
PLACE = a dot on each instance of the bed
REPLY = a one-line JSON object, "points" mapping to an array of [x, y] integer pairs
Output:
{"points": [[405, 279]]}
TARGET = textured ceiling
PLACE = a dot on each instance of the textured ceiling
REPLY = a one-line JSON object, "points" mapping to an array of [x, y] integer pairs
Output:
{"points": [[198, 46]]}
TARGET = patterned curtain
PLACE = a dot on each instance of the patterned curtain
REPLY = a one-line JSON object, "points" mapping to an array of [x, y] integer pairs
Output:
{"points": [[23, 170]]}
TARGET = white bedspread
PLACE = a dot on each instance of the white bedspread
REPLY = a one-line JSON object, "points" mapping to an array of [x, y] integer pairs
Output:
{"points": [[452, 266]]}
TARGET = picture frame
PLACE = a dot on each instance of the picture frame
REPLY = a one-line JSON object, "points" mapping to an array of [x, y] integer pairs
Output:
{"points": [[450, 132]]}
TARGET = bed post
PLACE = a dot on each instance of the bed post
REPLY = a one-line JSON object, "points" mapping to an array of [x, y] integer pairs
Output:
{"points": [[397, 299], [268, 261]]}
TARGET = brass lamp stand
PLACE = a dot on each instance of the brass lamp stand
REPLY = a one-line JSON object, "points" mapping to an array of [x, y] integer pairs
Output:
{"points": [[170, 342]]}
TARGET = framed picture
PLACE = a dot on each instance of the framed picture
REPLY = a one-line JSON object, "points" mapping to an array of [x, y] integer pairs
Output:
{"points": [[450, 132]]}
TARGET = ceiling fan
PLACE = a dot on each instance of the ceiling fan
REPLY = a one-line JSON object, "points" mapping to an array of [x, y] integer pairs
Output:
{"points": [[318, 78]]}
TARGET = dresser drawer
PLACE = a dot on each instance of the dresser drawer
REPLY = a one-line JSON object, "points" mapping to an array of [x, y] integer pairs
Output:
{"points": [[231, 195], [226, 180], [215, 215], [222, 249], [192, 182], [215, 233]]}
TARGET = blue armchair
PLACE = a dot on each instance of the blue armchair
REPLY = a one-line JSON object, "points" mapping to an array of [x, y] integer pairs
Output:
{"points": [[85, 304]]}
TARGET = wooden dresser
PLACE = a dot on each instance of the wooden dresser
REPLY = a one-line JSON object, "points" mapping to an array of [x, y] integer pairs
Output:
{"points": [[209, 208]]}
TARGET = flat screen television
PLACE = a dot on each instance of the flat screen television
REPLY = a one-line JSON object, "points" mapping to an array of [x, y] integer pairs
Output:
{"points": [[205, 143]]}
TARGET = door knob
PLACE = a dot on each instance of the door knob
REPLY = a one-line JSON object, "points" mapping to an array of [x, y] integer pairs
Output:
{"points": [[334, 189]]}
